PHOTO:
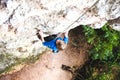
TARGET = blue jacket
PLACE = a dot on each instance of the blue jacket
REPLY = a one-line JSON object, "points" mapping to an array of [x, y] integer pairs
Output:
{"points": [[52, 44]]}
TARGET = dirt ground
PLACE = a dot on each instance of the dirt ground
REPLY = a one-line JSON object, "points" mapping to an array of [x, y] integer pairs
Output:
{"points": [[48, 67]]}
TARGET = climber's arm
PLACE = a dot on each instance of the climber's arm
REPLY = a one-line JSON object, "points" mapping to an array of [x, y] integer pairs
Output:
{"points": [[40, 36], [65, 34], [65, 39]]}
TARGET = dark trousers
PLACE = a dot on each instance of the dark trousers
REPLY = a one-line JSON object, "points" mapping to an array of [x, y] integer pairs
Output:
{"points": [[47, 38], [50, 37]]}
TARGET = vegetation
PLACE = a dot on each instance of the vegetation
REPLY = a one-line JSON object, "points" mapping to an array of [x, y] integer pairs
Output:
{"points": [[104, 62], [16, 61]]}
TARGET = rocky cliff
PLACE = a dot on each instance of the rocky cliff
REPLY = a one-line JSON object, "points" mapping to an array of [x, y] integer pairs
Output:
{"points": [[19, 18]]}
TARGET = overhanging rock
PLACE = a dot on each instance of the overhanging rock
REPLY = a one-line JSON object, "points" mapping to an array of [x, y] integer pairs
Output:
{"points": [[19, 18]]}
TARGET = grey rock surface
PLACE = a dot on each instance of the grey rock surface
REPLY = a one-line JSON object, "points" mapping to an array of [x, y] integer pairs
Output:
{"points": [[19, 18]]}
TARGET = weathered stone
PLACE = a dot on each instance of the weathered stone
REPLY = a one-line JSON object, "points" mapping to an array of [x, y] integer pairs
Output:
{"points": [[19, 18]]}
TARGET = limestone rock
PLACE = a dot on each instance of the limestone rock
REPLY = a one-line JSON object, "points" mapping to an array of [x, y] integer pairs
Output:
{"points": [[19, 18]]}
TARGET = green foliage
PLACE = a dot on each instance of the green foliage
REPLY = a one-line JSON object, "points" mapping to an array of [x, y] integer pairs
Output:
{"points": [[104, 63], [98, 70], [90, 34], [17, 61], [103, 41]]}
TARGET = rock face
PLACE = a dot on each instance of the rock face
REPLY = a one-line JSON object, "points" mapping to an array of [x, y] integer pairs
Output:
{"points": [[19, 18]]}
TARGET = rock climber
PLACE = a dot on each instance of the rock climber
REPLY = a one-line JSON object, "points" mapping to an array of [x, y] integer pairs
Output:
{"points": [[54, 42]]}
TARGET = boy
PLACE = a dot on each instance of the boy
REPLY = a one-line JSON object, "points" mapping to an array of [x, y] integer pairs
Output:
{"points": [[53, 42]]}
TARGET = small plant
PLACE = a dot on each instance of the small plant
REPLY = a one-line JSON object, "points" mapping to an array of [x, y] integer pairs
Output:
{"points": [[103, 41], [104, 55], [17, 61]]}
